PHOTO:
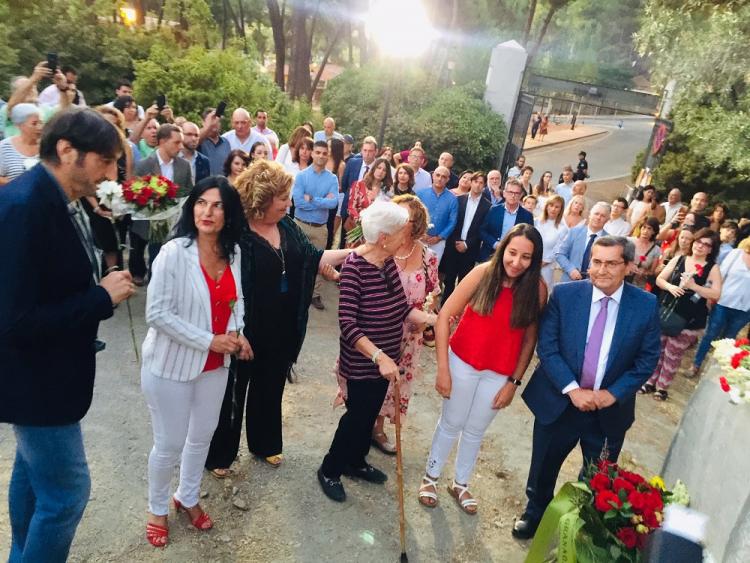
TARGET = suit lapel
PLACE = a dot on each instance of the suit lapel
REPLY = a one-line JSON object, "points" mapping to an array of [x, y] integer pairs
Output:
{"points": [[582, 326], [198, 279]]}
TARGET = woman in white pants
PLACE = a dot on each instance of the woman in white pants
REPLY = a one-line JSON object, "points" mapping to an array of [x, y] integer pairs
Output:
{"points": [[194, 311], [552, 229], [486, 357]]}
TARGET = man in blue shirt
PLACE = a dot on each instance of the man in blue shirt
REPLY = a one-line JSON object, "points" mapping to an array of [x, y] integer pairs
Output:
{"points": [[565, 188], [443, 208], [315, 192], [211, 144]]}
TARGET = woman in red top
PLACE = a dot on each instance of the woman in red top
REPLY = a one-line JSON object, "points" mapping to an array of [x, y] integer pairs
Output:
{"points": [[484, 360]]}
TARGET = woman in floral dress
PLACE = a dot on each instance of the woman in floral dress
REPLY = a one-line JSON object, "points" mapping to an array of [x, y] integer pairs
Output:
{"points": [[418, 270]]}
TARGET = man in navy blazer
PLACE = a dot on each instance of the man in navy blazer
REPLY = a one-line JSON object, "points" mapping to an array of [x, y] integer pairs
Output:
{"points": [[599, 341], [502, 217], [50, 308], [356, 168], [575, 249]]}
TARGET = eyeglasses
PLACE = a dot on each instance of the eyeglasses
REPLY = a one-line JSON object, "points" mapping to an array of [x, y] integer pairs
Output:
{"points": [[607, 264], [508, 192], [703, 243]]}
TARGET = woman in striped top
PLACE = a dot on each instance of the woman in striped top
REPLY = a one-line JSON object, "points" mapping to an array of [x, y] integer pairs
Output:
{"points": [[372, 310], [20, 152]]}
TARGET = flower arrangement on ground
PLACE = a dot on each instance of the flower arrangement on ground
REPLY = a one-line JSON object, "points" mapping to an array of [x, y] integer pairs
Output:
{"points": [[605, 517], [734, 358]]}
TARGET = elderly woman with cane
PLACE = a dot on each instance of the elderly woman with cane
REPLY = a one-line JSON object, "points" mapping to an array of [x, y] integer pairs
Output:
{"points": [[195, 315], [372, 309]]}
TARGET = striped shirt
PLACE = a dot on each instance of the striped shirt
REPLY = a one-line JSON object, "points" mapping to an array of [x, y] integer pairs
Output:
{"points": [[372, 304], [12, 162]]}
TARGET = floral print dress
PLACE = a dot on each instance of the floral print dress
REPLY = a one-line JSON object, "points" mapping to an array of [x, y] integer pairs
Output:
{"points": [[417, 285]]}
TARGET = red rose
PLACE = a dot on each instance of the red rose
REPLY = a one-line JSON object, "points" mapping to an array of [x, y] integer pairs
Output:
{"points": [[147, 178], [171, 192], [649, 519], [642, 258], [620, 483], [604, 501], [698, 270], [128, 194], [654, 501], [632, 477], [147, 192], [742, 342], [637, 500], [600, 482], [738, 357], [724, 384], [628, 537], [604, 465]]}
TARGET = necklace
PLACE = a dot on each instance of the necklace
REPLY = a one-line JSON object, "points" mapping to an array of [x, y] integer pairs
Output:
{"points": [[413, 246]]}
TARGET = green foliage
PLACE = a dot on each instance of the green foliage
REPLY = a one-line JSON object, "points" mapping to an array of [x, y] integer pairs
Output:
{"points": [[450, 119], [701, 44], [196, 78]]}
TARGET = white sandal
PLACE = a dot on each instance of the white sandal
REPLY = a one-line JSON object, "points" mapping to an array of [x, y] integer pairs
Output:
{"points": [[424, 494], [457, 491]]}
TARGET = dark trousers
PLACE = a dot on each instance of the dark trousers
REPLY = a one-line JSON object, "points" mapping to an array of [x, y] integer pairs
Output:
{"points": [[551, 445], [136, 259], [351, 443], [262, 381], [330, 226], [454, 266]]}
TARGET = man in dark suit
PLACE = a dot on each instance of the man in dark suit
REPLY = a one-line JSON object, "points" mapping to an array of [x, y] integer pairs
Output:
{"points": [[502, 217], [164, 162], [599, 341], [462, 246], [50, 309], [355, 169]]}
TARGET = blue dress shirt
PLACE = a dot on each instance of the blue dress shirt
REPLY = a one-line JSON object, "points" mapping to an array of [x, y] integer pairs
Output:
{"points": [[317, 185], [443, 210]]}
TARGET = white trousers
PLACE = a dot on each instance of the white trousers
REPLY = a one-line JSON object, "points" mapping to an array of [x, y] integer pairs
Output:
{"points": [[184, 415], [468, 413], [438, 248]]}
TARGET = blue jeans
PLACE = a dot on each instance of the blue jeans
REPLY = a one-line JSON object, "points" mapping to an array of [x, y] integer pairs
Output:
{"points": [[724, 322], [49, 489]]}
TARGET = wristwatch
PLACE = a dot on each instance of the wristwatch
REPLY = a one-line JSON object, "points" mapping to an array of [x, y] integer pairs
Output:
{"points": [[514, 381]]}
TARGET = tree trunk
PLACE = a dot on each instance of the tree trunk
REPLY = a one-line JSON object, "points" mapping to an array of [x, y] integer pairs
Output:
{"points": [[362, 39], [299, 73], [140, 12], [324, 62], [529, 22], [224, 27], [161, 13], [542, 32], [350, 45], [242, 27], [279, 41]]}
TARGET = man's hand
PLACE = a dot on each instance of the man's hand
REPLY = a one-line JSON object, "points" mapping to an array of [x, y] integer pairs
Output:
{"points": [[583, 399], [331, 195], [308, 197], [152, 112], [575, 275], [40, 71], [430, 240], [604, 399], [167, 114], [246, 351], [461, 246], [119, 285]]}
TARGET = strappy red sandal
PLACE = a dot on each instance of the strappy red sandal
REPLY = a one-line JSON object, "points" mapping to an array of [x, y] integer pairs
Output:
{"points": [[156, 535], [202, 522]]}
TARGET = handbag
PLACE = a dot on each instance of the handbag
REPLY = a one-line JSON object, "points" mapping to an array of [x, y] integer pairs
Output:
{"points": [[671, 322]]}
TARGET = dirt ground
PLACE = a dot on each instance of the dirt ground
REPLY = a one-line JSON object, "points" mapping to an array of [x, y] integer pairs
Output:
{"points": [[287, 518]]}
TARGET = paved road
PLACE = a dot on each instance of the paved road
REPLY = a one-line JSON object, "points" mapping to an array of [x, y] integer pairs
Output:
{"points": [[610, 155]]}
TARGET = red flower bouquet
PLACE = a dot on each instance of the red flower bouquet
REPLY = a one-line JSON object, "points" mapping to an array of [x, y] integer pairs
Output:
{"points": [[154, 199], [734, 357], [606, 517]]}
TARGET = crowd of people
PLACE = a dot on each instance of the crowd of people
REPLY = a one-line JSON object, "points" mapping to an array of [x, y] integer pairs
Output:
{"points": [[474, 264]]}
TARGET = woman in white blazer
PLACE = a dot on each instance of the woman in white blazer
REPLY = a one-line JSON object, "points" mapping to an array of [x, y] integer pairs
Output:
{"points": [[194, 310]]}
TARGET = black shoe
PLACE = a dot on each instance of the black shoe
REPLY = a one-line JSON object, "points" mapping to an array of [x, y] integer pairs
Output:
{"points": [[367, 473], [317, 302], [99, 346], [524, 528], [332, 488]]}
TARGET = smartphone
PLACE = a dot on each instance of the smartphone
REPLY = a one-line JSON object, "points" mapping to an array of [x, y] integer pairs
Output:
{"points": [[52, 62], [161, 101], [220, 108]]}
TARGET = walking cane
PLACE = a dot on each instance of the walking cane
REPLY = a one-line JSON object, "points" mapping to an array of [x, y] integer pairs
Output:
{"points": [[400, 469]]}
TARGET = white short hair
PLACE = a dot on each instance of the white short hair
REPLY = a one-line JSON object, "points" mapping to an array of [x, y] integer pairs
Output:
{"points": [[604, 205], [382, 217]]}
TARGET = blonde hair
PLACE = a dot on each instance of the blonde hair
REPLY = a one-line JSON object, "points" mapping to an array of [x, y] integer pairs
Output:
{"points": [[744, 245], [114, 112], [418, 214], [259, 183], [554, 199], [584, 211]]}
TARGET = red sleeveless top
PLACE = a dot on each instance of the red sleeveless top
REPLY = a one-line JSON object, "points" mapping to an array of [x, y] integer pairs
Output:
{"points": [[223, 293], [489, 342]]}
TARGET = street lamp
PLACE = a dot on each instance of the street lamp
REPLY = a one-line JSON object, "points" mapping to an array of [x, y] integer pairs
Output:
{"points": [[407, 35]]}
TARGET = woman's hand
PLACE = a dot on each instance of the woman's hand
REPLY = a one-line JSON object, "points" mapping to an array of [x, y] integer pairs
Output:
{"points": [[504, 397], [328, 272], [676, 291], [246, 351], [689, 283], [225, 343], [443, 383], [388, 368]]}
